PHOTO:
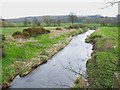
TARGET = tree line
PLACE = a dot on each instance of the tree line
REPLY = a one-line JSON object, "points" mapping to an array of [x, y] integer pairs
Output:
{"points": [[57, 20], [73, 18]]}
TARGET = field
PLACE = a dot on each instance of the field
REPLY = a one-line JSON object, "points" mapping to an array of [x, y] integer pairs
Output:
{"points": [[22, 57], [8, 31], [104, 59]]}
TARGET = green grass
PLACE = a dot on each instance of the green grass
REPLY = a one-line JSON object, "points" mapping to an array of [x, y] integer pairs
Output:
{"points": [[92, 26], [8, 31], [100, 66]]}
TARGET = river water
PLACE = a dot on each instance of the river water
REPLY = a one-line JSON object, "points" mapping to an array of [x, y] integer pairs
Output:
{"points": [[58, 72]]}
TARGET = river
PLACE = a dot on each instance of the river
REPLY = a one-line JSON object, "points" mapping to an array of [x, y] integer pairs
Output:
{"points": [[57, 72]]}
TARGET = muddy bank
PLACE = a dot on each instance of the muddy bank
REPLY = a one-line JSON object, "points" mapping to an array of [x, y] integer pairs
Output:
{"points": [[41, 58]]}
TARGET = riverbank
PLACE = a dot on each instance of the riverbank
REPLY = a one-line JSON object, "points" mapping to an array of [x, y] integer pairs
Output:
{"points": [[28, 55], [103, 63]]}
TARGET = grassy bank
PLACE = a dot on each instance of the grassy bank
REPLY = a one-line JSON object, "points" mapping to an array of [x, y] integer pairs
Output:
{"points": [[103, 64], [8, 31], [22, 57]]}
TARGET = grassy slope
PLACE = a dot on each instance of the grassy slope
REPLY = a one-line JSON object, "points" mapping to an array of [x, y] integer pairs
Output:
{"points": [[16, 53], [10, 30], [101, 66]]}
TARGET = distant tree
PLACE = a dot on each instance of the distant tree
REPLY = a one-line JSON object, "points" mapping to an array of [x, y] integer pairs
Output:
{"points": [[87, 20], [58, 22], [47, 20], [53, 22], [36, 22], [25, 22], [72, 17], [29, 22], [3, 19]]}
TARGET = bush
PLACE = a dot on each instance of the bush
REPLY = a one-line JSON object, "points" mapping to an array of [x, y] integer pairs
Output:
{"points": [[81, 25], [58, 28], [70, 27], [26, 35], [76, 26], [35, 31], [85, 28], [92, 26], [17, 34]]}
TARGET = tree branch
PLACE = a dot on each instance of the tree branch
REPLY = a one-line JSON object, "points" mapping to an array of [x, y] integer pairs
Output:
{"points": [[110, 3]]}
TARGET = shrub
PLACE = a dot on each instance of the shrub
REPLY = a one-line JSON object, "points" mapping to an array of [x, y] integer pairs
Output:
{"points": [[81, 25], [76, 26], [85, 28], [70, 27], [35, 31], [58, 28], [28, 30], [17, 34], [26, 35]]}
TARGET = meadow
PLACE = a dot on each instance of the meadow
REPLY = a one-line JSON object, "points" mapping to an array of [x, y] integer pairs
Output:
{"points": [[103, 63], [100, 68]]}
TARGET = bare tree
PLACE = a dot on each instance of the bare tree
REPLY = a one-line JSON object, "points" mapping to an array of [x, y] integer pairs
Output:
{"points": [[72, 17], [113, 2], [110, 3], [25, 22]]}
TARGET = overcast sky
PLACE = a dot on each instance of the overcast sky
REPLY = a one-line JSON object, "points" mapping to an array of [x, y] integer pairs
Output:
{"points": [[22, 8]]}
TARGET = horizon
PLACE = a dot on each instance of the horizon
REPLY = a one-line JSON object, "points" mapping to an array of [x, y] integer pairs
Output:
{"points": [[56, 15]]}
